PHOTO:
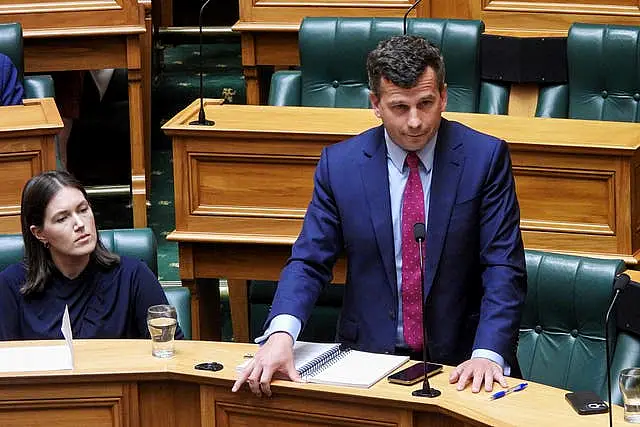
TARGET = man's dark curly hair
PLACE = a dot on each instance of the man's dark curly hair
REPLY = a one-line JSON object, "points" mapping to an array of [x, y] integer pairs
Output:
{"points": [[402, 60]]}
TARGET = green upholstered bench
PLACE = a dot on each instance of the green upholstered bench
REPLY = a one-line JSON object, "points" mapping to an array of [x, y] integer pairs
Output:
{"points": [[562, 334], [11, 44], [137, 243], [562, 331], [333, 54]]}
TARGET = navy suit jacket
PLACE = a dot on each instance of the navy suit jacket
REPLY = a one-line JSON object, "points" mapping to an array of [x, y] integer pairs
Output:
{"points": [[11, 90], [475, 276]]}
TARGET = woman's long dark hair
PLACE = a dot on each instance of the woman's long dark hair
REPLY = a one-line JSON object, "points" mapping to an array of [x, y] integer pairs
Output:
{"points": [[36, 195]]}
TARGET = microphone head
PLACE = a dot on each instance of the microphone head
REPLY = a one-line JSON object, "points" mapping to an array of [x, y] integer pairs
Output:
{"points": [[621, 282], [420, 232]]}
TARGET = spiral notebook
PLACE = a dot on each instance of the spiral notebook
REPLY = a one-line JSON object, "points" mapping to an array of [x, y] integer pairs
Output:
{"points": [[335, 364]]}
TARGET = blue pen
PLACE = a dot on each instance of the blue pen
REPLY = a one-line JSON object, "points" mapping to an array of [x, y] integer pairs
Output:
{"points": [[503, 393]]}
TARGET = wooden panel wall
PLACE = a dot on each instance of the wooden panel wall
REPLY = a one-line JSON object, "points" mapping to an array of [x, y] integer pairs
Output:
{"points": [[46, 17], [537, 17]]}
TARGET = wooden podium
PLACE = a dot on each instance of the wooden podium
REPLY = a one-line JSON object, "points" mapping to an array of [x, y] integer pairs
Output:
{"points": [[27, 147], [242, 188], [61, 35], [119, 383]]}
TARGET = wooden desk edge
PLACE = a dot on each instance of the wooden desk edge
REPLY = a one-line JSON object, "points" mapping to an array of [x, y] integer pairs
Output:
{"points": [[56, 33], [463, 405], [206, 237], [265, 27], [178, 125], [51, 125]]}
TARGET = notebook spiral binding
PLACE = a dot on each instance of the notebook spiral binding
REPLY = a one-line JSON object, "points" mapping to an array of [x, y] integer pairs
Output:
{"points": [[323, 361]]}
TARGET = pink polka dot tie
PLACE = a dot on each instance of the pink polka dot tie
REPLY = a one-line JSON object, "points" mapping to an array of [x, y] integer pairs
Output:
{"points": [[412, 212]]}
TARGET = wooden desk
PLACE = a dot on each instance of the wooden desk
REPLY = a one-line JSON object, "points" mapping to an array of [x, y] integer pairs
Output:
{"points": [[119, 383], [242, 188], [27, 147], [61, 35]]}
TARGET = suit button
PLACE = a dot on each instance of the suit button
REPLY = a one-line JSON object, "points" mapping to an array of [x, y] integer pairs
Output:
{"points": [[538, 329], [335, 84], [392, 315], [636, 96], [574, 333], [605, 93]]}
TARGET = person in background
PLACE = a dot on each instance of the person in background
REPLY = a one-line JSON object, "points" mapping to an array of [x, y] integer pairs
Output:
{"points": [[69, 88], [369, 192], [11, 90], [66, 264]]}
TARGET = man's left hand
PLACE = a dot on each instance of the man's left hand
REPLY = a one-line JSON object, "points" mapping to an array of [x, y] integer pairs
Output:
{"points": [[477, 371]]}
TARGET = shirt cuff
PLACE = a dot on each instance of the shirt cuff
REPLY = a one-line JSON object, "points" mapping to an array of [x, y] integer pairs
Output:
{"points": [[281, 323], [494, 357]]}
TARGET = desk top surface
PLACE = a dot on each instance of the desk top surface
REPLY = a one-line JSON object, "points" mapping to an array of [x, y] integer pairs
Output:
{"points": [[131, 360], [345, 122], [34, 114]]}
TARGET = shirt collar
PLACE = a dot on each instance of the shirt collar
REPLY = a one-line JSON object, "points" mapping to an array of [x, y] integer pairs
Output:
{"points": [[398, 155]]}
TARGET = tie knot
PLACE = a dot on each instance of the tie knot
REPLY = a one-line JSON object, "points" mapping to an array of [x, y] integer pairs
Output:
{"points": [[412, 160]]}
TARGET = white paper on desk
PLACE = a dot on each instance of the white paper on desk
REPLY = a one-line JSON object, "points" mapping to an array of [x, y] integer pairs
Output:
{"points": [[41, 358], [67, 334]]}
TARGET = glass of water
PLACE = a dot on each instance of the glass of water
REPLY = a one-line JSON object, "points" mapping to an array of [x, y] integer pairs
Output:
{"points": [[630, 389], [162, 321]]}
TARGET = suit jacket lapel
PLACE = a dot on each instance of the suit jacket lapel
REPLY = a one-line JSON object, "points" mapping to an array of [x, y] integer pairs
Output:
{"points": [[447, 169], [375, 181]]}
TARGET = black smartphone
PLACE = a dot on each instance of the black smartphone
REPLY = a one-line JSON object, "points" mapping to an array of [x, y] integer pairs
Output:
{"points": [[209, 366], [414, 374], [586, 403]]}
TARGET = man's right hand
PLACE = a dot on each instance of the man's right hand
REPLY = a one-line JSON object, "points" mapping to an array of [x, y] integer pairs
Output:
{"points": [[275, 356]]}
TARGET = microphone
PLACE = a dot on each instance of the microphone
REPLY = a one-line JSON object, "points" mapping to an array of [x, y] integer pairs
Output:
{"points": [[619, 284], [404, 22], [420, 234], [202, 118]]}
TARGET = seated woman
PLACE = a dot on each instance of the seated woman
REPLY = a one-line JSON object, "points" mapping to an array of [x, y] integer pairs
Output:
{"points": [[67, 264], [11, 91]]}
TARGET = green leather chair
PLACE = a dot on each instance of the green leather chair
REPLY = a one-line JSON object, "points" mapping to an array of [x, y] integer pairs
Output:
{"points": [[11, 44], [333, 54], [135, 243], [321, 326], [562, 334], [603, 76]]}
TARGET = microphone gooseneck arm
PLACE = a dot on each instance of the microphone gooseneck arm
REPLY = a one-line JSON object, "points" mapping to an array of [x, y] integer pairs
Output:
{"points": [[202, 118], [420, 234], [406, 15], [621, 282]]}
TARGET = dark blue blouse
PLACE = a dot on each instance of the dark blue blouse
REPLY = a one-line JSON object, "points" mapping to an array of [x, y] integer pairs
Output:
{"points": [[103, 303]]}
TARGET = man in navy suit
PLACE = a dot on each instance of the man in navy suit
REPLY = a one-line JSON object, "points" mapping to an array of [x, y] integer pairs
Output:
{"points": [[11, 90], [474, 272]]}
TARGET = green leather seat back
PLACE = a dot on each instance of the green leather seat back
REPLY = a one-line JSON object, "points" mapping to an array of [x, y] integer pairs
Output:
{"points": [[137, 243], [322, 324], [604, 72], [180, 298], [11, 44], [333, 54], [562, 336], [603, 75]]}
